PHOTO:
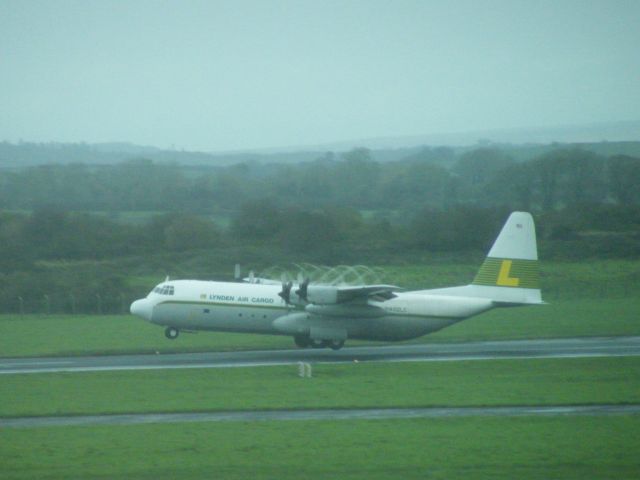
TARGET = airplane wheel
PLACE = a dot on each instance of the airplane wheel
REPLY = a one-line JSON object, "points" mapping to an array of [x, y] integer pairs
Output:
{"points": [[318, 343], [302, 341], [171, 333], [336, 344]]}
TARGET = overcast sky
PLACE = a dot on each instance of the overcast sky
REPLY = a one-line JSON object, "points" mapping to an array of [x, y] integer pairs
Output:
{"points": [[227, 75]]}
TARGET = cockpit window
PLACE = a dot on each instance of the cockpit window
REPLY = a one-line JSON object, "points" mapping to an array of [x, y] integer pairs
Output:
{"points": [[164, 290]]}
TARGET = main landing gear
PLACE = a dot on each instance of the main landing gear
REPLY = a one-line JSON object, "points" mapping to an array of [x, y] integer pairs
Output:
{"points": [[304, 342], [171, 333]]}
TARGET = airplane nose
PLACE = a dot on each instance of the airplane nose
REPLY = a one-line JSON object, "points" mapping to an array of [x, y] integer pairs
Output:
{"points": [[142, 308]]}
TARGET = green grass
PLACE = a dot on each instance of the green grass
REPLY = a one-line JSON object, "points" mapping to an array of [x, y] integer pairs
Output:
{"points": [[469, 383], [57, 335], [478, 448], [41, 335], [569, 318]]}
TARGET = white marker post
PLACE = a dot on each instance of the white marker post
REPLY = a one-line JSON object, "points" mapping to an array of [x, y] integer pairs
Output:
{"points": [[304, 370]]}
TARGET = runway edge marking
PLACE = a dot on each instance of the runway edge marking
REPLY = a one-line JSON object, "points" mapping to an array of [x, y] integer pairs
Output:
{"points": [[328, 414]]}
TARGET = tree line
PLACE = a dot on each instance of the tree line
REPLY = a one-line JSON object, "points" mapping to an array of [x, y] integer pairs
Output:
{"points": [[432, 177]]}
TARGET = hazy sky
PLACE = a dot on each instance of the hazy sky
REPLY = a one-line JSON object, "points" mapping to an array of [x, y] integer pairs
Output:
{"points": [[225, 75]]}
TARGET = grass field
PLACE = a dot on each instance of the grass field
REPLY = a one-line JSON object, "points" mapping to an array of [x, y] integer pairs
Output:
{"points": [[410, 384], [478, 448]]}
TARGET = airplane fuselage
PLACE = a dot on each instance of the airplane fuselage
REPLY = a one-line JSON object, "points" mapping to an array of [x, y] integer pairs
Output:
{"points": [[255, 308]]}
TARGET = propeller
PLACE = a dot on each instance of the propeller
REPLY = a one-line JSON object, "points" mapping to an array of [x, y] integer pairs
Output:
{"points": [[303, 290], [285, 294]]}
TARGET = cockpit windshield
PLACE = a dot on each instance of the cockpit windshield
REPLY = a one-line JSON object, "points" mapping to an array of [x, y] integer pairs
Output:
{"points": [[164, 290]]}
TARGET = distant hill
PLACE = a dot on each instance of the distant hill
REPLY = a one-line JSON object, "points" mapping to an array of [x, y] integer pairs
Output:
{"points": [[587, 133], [32, 154], [521, 144]]}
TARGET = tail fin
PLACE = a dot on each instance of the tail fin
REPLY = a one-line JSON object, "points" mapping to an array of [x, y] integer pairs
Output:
{"points": [[509, 274]]}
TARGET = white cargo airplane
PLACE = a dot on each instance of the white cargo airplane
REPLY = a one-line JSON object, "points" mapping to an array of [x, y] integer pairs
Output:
{"points": [[325, 316]]}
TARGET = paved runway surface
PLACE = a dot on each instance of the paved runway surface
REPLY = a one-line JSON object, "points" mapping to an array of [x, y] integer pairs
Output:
{"points": [[355, 414], [553, 348]]}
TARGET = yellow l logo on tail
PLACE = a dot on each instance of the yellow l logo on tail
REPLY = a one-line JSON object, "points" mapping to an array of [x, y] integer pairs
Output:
{"points": [[503, 276]]}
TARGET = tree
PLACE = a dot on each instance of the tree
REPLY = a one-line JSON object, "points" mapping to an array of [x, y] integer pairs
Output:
{"points": [[258, 220], [513, 185], [478, 167], [187, 232], [412, 185], [568, 177], [624, 179], [357, 179], [311, 233]]}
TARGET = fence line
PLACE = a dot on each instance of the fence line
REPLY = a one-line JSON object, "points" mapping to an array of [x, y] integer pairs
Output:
{"points": [[70, 304]]}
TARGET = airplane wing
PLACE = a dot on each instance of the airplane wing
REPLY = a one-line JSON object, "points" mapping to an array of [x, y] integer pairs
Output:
{"points": [[328, 295], [349, 294]]}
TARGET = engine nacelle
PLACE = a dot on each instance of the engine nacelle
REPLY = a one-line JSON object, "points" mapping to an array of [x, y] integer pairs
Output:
{"points": [[322, 295], [293, 324], [305, 294], [314, 327]]}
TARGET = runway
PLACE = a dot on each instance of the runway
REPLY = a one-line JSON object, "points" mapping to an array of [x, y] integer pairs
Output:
{"points": [[325, 415], [435, 352]]}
